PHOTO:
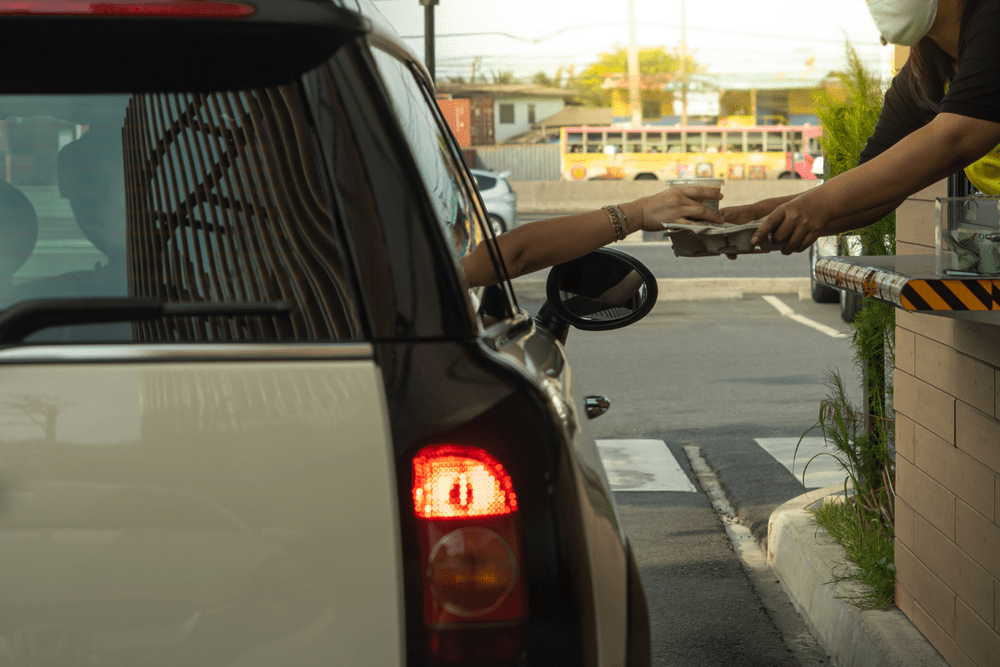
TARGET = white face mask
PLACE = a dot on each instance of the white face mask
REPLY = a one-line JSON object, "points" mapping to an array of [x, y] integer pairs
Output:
{"points": [[902, 22]]}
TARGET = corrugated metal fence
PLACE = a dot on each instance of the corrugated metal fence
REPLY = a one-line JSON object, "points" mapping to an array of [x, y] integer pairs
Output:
{"points": [[535, 162]]}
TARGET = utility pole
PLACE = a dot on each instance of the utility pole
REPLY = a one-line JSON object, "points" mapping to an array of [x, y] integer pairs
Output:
{"points": [[635, 101], [684, 78], [429, 35]]}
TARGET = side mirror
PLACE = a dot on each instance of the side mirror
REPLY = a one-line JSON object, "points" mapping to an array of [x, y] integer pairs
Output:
{"points": [[606, 289]]}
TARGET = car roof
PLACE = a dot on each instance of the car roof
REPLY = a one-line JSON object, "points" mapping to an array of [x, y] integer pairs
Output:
{"points": [[282, 38]]}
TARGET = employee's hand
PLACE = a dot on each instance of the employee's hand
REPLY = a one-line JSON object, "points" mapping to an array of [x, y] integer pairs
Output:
{"points": [[794, 226], [737, 215]]}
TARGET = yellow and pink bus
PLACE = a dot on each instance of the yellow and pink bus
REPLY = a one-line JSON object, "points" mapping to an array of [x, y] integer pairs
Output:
{"points": [[762, 152]]}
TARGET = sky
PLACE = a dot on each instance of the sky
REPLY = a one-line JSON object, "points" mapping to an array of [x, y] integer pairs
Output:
{"points": [[726, 36]]}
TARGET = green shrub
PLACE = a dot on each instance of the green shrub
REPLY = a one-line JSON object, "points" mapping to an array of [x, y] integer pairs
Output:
{"points": [[863, 438]]}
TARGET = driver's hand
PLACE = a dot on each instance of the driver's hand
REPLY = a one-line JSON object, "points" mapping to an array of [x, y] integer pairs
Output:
{"points": [[679, 204], [738, 215]]}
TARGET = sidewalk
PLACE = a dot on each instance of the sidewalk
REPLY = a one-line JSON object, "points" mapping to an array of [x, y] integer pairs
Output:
{"points": [[803, 559]]}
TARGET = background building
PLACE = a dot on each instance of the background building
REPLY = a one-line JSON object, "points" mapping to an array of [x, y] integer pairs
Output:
{"points": [[505, 110], [492, 114]]}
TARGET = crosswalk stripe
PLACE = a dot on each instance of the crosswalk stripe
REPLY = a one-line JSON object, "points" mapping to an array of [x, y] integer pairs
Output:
{"points": [[642, 465], [649, 465], [823, 470]]}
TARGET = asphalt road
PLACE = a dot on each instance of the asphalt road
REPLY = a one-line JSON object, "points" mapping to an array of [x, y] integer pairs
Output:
{"points": [[723, 377]]}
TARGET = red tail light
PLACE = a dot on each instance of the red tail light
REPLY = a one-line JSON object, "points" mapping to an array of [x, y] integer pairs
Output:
{"points": [[466, 511], [188, 9], [453, 482]]}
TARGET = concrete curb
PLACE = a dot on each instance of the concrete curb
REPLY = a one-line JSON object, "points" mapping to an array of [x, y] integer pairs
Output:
{"points": [[697, 289], [803, 556]]}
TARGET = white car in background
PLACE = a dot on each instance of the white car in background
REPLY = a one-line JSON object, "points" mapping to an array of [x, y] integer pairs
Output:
{"points": [[819, 165], [498, 197]]}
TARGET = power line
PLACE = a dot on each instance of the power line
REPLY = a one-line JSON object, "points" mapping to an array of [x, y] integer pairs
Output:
{"points": [[587, 26], [775, 60]]}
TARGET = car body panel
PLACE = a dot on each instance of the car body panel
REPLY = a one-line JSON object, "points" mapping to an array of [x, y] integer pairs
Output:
{"points": [[171, 507], [604, 534], [516, 394], [538, 355]]}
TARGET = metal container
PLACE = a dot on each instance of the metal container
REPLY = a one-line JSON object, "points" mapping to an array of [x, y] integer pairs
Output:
{"points": [[967, 236]]}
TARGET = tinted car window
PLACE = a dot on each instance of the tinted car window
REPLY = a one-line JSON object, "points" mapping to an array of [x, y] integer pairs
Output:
{"points": [[184, 198], [441, 174], [484, 182]]}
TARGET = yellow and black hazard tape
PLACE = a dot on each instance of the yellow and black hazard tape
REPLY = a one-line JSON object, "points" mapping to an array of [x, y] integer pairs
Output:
{"points": [[951, 294], [914, 294]]}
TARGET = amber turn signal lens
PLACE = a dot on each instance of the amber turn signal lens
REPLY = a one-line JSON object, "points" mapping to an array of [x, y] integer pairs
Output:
{"points": [[471, 571]]}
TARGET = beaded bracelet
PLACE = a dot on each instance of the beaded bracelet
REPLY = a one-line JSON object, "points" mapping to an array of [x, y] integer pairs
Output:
{"points": [[616, 222], [624, 219]]}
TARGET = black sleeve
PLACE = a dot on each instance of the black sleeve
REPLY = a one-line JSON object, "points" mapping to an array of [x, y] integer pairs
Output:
{"points": [[903, 111], [975, 89]]}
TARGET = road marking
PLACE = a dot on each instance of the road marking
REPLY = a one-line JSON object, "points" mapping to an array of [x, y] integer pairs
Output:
{"points": [[642, 465], [785, 311], [822, 470]]}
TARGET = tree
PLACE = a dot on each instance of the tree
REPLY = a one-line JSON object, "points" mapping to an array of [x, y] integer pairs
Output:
{"points": [[542, 79], [657, 67], [503, 77], [867, 445]]}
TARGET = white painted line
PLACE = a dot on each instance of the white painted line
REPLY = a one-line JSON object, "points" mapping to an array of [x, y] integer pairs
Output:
{"points": [[642, 465], [785, 311], [823, 470]]}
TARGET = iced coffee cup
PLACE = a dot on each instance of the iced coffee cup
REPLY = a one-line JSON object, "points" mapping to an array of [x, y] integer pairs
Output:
{"points": [[700, 182]]}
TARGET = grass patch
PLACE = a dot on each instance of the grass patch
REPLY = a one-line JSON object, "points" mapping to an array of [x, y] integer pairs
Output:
{"points": [[863, 523], [870, 552]]}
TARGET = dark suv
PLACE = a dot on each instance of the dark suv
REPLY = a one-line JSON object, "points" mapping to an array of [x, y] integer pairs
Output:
{"points": [[251, 413]]}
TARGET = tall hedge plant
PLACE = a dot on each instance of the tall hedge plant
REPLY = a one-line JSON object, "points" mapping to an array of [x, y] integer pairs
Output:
{"points": [[863, 436]]}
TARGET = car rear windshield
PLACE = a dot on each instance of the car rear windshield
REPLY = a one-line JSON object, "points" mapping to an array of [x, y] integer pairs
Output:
{"points": [[484, 182], [203, 198]]}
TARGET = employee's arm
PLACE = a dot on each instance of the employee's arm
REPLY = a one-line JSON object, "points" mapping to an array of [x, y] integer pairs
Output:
{"points": [[861, 195]]}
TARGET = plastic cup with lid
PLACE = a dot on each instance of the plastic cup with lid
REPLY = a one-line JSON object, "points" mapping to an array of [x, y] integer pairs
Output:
{"points": [[700, 182]]}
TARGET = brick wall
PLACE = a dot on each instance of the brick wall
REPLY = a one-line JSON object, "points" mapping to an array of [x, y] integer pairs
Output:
{"points": [[947, 400]]}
